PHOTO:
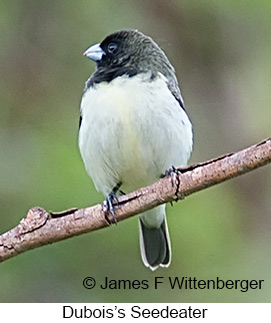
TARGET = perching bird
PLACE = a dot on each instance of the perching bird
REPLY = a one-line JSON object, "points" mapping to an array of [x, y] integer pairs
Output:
{"points": [[133, 128]]}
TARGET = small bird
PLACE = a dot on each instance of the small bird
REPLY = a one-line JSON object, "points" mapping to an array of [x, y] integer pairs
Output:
{"points": [[134, 128]]}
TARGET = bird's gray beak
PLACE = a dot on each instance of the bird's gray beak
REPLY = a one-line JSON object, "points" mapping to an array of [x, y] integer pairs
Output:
{"points": [[94, 53]]}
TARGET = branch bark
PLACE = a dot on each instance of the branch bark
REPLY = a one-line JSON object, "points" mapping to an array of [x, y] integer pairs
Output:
{"points": [[41, 227]]}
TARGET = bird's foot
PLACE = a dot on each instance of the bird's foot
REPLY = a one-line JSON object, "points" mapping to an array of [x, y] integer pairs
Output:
{"points": [[110, 200], [172, 171]]}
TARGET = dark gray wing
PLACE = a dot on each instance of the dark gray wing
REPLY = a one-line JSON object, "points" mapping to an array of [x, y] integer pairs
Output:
{"points": [[174, 89]]}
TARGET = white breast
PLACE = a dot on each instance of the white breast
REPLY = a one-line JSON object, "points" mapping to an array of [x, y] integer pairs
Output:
{"points": [[132, 130]]}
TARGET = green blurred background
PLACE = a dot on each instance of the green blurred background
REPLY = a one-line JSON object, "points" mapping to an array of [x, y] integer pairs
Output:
{"points": [[221, 51]]}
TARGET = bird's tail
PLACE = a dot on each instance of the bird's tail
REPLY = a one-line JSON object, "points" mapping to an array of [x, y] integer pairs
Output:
{"points": [[154, 238]]}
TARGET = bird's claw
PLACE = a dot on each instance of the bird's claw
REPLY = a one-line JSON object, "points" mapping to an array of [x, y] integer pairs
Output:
{"points": [[110, 200], [109, 207], [170, 172]]}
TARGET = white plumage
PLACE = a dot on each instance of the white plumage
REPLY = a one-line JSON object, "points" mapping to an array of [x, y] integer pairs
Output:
{"points": [[133, 130]]}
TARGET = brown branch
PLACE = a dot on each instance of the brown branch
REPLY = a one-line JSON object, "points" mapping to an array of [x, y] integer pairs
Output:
{"points": [[41, 227]]}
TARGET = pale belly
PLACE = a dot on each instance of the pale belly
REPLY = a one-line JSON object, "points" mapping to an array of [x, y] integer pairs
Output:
{"points": [[130, 138]]}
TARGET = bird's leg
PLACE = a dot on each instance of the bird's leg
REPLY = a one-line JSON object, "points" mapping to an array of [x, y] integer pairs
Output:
{"points": [[109, 203], [170, 172]]}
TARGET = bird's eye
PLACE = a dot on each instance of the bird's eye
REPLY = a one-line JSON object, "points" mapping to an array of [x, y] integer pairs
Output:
{"points": [[112, 48]]}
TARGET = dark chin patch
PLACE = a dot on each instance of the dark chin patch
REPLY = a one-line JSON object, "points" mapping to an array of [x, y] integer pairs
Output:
{"points": [[107, 75]]}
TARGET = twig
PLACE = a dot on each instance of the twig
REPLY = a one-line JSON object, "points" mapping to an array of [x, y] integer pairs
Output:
{"points": [[41, 227]]}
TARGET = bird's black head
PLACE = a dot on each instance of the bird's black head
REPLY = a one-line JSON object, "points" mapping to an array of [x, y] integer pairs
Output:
{"points": [[128, 52]]}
